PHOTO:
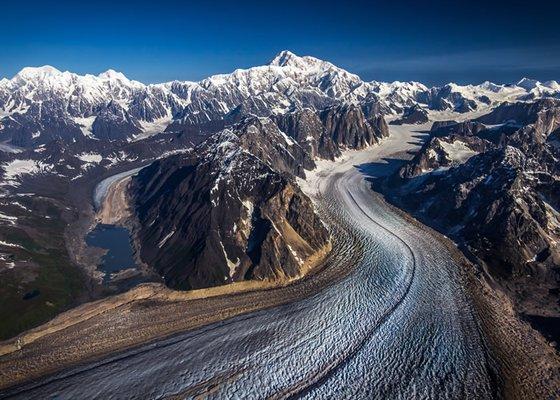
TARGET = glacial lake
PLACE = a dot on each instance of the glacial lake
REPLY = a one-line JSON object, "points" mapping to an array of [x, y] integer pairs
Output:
{"points": [[116, 240]]}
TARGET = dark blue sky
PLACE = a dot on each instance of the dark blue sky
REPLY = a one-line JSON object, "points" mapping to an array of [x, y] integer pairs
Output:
{"points": [[161, 40]]}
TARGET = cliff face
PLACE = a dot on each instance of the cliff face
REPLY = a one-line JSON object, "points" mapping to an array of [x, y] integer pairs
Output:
{"points": [[228, 211], [325, 133]]}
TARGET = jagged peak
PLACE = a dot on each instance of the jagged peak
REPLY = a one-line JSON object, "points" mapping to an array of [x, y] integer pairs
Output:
{"points": [[528, 83], [552, 85], [285, 57]]}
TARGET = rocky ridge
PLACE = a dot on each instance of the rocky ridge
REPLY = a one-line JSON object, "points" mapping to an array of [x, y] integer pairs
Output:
{"points": [[500, 199], [229, 211]]}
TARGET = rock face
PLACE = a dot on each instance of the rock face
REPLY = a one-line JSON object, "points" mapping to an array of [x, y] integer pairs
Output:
{"points": [[502, 202], [453, 97], [349, 128], [229, 210], [468, 128], [324, 133]]}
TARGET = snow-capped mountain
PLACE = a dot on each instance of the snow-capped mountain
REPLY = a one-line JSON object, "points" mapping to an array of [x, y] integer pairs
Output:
{"points": [[234, 197], [41, 104]]}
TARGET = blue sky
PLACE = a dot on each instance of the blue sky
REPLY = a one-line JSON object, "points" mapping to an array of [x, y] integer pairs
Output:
{"points": [[155, 41]]}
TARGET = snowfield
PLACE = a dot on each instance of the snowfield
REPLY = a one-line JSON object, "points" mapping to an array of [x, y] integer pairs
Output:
{"points": [[86, 124]]}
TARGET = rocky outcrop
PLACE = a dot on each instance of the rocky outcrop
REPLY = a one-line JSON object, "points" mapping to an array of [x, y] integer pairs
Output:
{"points": [[467, 128], [412, 115], [229, 210], [262, 138], [441, 125], [441, 153], [498, 134], [308, 130], [113, 122], [349, 128]]}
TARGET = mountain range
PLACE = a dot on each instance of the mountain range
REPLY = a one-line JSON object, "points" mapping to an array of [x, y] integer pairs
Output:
{"points": [[41, 104], [218, 199]]}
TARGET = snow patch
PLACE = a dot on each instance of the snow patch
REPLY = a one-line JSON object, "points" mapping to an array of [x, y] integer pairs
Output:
{"points": [[85, 125], [232, 265], [8, 244], [92, 158], [8, 148], [17, 203], [457, 151], [8, 218], [166, 238], [154, 127], [295, 254], [119, 157], [14, 169], [248, 204]]}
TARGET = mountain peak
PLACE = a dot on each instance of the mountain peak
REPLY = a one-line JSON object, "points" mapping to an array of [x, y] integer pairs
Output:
{"points": [[41, 72], [111, 74], [284, 58], [528, 83], [306, 63]]}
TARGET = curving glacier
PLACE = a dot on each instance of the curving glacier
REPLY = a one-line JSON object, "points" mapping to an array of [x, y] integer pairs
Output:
{"points": [[398, 326]]}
